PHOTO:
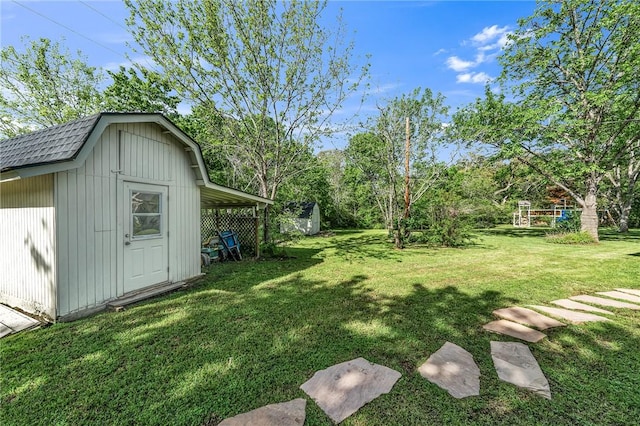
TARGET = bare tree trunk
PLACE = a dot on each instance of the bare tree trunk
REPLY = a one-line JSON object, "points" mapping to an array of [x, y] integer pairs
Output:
{"points": [[625, 211]]}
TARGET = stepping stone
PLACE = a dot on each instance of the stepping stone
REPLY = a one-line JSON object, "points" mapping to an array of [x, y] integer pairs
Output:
{"points": [[291, 413], [4, 330], [342, 389], [620, 295], [527, 317], [605, 302], [453, 369], [513, 329], [572, 316], [515, 364], [629, 291], [13, 321], [571, 304]]}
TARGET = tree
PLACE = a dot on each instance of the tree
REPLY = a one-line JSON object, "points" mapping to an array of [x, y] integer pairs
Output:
{"points": [[573, 69], [491, 188], [382, 154], [623, 179], [334, 164], [372, 164], [140, 90], [43, 86], [267, 67]]}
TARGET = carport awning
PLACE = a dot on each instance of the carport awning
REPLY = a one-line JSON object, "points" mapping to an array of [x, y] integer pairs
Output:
{"points": [[213, 196]]}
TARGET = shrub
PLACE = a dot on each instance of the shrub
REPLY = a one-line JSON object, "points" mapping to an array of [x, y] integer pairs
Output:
{"points": [[443, 226], [569, 223], [570, 238]]}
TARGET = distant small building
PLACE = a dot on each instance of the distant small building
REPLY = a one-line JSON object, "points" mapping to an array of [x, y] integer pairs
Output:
{"points": [[307, 220]]}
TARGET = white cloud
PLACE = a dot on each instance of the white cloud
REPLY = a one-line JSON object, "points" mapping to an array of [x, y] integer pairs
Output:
{"points": [[384, 88], [487, 44], [458, 64], [502, 42], [116, 38], [474, 78], [488, 34], [440, 51]]}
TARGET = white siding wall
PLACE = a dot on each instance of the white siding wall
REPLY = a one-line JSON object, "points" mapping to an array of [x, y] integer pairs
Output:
{"points": [[27, 252], [91, 213]]}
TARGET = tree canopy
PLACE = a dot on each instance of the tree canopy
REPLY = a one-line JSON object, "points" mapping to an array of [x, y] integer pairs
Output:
{"points": [[571, 69], [266, 66], [44, 85]]}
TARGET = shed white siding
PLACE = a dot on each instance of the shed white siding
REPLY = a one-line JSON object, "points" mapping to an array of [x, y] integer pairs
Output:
{"points": [[305, 225], [27, 252], [91, 213]]}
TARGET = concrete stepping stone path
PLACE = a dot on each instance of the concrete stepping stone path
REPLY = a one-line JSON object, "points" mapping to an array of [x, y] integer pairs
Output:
{"points": [[452, 368], [620, 295], [572, 304], [291, 413], [344, 388], [527, 317], [605, 302], [516, 330], [629, 291], [572, 316], [515, 364]]}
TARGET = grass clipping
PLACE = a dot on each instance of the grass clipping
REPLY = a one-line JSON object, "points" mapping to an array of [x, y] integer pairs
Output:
{"points": [[570, 238]]}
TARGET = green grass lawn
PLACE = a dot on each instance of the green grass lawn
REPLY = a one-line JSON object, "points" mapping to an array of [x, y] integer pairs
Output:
{"points": [[251, 333]]}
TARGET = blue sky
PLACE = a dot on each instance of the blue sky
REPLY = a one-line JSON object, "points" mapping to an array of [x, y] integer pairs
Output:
{"points": [[448, 46]]}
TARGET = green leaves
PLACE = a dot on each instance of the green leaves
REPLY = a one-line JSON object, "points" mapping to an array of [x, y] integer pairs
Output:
{"points": [[140, 91], [268, 67], [571, 70], [44, 85]]}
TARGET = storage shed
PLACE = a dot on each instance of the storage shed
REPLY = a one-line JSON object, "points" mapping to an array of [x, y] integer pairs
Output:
{"points": [[306, 220], [100, 208]]}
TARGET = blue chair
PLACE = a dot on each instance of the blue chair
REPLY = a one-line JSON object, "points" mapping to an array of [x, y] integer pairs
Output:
{"points": [[231, 244]]}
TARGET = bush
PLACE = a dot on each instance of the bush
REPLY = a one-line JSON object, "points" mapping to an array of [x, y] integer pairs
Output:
{"points": [[543, 220], [489, 216], [570, 223], [443, 226], [570, 238]]}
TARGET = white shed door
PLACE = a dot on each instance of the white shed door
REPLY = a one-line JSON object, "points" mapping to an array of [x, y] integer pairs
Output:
{"points": [[146, 248]]}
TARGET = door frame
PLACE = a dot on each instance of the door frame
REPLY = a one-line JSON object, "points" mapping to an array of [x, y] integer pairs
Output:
{"points": [[124, 220]]}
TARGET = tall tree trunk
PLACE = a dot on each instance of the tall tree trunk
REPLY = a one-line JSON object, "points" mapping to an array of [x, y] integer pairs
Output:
{"points": [[625, 211], [589, 218]]}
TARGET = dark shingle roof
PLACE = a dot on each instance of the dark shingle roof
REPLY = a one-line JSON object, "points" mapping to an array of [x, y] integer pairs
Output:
{"points": [[50, 145], [304, 209]]}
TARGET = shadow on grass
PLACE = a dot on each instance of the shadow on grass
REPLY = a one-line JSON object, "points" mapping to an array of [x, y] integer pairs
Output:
{"points": [[610, 234], [515, 232], [251, 333], [360, 246]]}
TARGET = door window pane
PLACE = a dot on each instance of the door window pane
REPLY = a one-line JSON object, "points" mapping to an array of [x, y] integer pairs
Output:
{"points": [[146, 214], [145, 202]]}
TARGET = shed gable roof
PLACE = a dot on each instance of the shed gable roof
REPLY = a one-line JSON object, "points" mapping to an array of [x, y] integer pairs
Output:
{"points": [[66, 146], [50, 145], [304, 210]]}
